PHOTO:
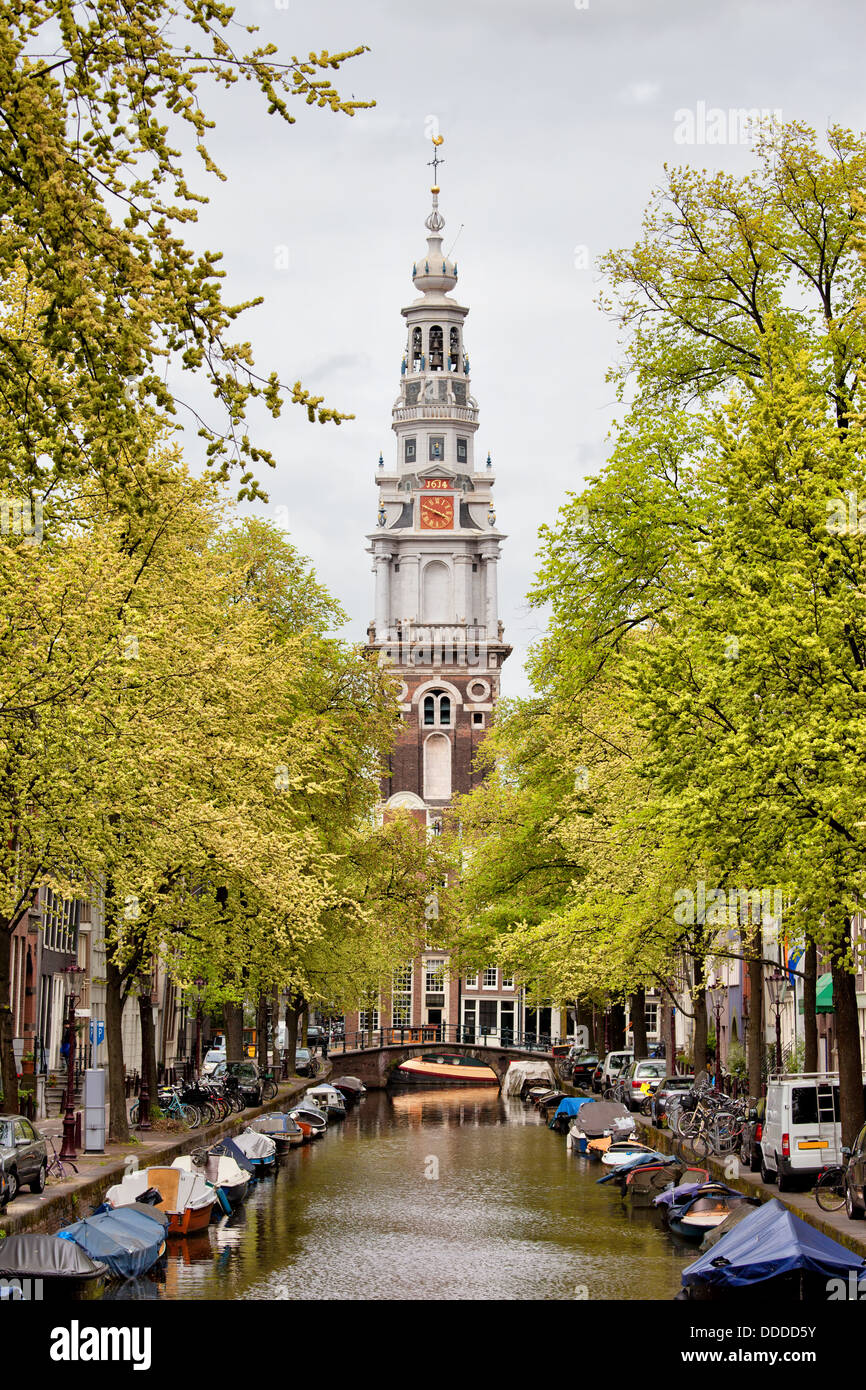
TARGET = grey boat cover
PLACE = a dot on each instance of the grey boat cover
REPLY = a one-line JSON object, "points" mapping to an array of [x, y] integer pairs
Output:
{"points": [[256, 1146], [229, 1149], [38, 1257], [275, 1123], [351, 1082], [601, 1117]]}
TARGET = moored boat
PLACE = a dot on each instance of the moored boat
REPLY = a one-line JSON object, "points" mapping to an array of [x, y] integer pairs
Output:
{"points": [[280, 1127], [599, 1120], [619, 1150], [129, 1240], [186, 1198], [645, 1182], [260, 1149], [51, 1268], [350, 1088], [706, 1208], [329, 1097], [221, 1172], [450, 1068]]}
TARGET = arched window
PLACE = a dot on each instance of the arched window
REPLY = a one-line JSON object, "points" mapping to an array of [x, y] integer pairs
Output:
{"points": [[437, 709], [436, 348], [437, 768], [416, 350], [454, 354], [429, 710], [436, 598], [444, 710]]}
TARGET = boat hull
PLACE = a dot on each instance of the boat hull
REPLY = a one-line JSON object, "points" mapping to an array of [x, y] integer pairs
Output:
{"points": [[444, 1070]]}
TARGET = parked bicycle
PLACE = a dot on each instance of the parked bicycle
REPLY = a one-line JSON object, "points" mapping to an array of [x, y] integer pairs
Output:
{"points": [[830, 1187], [171, 1107], [58, 1167]]}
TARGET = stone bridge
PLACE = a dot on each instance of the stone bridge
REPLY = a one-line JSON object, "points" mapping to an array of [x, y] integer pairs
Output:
{"points": [[375, 1065]]}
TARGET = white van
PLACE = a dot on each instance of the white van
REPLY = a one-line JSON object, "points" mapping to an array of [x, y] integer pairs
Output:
{"points": [[801, 1132], [613, 1066]]}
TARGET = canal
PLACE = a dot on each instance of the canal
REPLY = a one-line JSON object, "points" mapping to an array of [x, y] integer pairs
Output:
{"points": [[425, 1194]]}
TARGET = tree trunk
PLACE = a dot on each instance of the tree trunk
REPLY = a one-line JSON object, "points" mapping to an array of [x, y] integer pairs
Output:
{"points": [[148, 1046], [234, 1021], [598, 1029], [668, 1037], [118, 1125], [755, 1028], [262, 1032], [293, 1016], [848, 1045], [699, 1000], [616, 1015], [275, 1015], [8, 1072], [810, 1017], [304, 1024], [637, 1003]]}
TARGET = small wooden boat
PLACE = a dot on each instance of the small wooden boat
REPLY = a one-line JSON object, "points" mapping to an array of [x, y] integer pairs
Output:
{"points": [[645, 1182], [227, 1148], [186, 1198], [703, 1211], [279, 1126], [444, 1068], [621, 1149], [47, 1267], [311, 1115]]}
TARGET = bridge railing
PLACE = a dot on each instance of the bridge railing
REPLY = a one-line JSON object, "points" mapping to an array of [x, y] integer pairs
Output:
{"points": [[375, 1038]]}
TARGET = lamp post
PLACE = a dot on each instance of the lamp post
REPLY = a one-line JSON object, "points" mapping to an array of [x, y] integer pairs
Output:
{"points": [[199, 985], [71, 976], [716, 993], [144, 1093], [776, 987]]}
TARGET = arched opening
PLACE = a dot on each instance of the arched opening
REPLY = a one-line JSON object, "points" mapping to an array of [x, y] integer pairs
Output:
{"points": [[429, 710], [436, 592], [437, 768], [417, 357], [454, 354], [445, 710], [436, 348]]}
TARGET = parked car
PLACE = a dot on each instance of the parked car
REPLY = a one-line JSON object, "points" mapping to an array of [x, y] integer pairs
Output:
{"points": [[613, 1064], [304, 1062], [582, 1067], [24, 1155], [641, 1075], [212, 1060], [801, 1131], [596, 1077], [855, 1179], [669, 1087]]}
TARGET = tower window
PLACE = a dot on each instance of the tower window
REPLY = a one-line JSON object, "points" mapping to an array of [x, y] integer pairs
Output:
{"points": [[477, 717], [409, 451], [437, 448], [454, 354], [474, 569], [437, 709], [461, 451], [429, 710], [436, 348], [417, 358], [444, 710]]}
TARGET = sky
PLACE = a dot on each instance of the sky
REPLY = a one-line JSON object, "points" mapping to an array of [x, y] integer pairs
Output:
{"points": [[558, 117]]}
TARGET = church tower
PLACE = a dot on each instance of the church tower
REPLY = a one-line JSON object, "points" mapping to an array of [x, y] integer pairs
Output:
{"points": [[435, 556], [436, 548]]}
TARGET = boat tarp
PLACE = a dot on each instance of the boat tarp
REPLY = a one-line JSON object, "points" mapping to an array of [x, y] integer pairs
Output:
{"points": [[600, 1116], [127, 1242], [680, 1194], [520, 1072], [37, 1257], [769, 1242], [571, 1105], [256, 1146], [352, 1082]]}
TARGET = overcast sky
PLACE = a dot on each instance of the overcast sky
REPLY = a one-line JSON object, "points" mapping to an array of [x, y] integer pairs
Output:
{"points": [[557, 122]]}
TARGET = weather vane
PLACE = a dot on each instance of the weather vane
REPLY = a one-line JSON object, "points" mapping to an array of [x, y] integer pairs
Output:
{"points": [[435, 222]]}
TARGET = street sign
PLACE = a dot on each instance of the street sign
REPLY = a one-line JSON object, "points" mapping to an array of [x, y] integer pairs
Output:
{"points": [[97, 1031]]}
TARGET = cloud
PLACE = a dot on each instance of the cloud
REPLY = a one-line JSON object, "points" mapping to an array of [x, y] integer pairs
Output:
{"points": [[640, 93]]}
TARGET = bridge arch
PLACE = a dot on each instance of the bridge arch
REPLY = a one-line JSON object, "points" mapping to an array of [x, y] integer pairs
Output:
{"points": [[375, 1065]]}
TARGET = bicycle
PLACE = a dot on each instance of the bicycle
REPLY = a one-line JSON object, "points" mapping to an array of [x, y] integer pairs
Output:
{"points": [[170, 1107], [57, 1166], [269, 1087], [831, 1186]]}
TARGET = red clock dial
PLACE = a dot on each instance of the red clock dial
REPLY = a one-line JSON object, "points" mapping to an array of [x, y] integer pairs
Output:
{"points": [[437, 513]]}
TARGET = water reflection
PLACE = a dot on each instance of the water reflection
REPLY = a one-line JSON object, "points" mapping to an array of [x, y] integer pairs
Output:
{"points": [[441, 1193]]}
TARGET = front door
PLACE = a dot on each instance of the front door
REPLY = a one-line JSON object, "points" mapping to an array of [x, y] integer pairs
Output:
{"points": [[487, 1017], [434, 1022]]}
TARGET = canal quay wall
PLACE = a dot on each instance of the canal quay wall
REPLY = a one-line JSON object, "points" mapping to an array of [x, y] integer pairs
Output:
{"points": [[67, 1201], [836, 1225]]}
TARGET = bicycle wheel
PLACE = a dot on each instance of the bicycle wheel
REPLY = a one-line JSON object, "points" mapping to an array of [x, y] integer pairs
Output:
{"points": [[830, 1190], [688, 1123], [208, 1113], [701, 1144], [133, 1114], [269, 1091], [190, 1115]]}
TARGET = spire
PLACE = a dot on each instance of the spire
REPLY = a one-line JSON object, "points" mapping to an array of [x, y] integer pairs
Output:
{"points": [[435, 222]]}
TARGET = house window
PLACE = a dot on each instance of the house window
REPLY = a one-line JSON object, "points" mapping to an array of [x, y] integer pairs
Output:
{"points": [[652, 1018], [508, 982], [401, 998], [488, 979], [434, 976], [368, 1020], [472, 981]]}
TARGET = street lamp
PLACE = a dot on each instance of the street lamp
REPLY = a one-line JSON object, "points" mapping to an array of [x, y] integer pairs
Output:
{"points": [[144, 1093], [199, 986], [776, 984], [71, 981]]}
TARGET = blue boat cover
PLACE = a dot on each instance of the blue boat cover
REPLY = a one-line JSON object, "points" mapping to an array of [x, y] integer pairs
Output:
{"points": [[571, 1105], [128, 1242], [229, 1149], [677, 1196], [651, 1160], [768, 1242]]}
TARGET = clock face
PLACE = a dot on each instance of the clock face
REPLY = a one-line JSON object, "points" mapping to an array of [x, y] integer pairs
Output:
{"points": [[437, 513]]}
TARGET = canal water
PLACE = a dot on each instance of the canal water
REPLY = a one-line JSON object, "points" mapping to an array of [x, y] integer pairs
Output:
{"points": [[455, 1194]]}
